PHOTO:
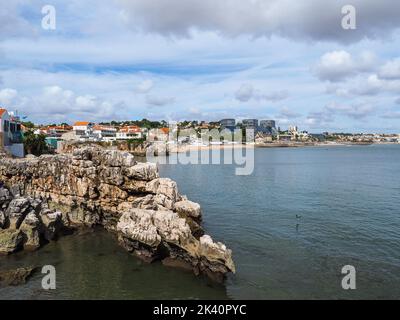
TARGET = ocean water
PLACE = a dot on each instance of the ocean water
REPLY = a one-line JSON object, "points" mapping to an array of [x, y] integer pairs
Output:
{"points": [[292, 225]]}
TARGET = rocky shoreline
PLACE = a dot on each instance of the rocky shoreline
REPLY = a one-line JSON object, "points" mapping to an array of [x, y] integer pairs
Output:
{"points": [[44, 198]]}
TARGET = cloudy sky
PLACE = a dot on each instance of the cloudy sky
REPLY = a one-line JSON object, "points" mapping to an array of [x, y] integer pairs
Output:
{"points": [[204, 59]]}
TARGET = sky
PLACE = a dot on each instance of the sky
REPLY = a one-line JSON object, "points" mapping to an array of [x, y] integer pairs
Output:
{"points": [[287, 60]]}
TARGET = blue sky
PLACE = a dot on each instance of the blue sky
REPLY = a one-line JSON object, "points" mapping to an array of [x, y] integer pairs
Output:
{"points": [[206, 60]]}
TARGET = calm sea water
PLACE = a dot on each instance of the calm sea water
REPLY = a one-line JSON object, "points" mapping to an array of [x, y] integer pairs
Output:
{"points": [[349, 202]]}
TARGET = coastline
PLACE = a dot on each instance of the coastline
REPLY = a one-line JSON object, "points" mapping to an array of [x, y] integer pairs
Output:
{"points": [[51, 196], [188, 147]]}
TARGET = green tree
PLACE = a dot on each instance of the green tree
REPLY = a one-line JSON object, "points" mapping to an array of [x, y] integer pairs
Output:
{"points": [[35, 144], [29, 124]]}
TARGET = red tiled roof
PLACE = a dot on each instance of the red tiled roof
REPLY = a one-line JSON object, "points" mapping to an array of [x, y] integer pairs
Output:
{"points": [[99, 127], [81, 123], [58, 127], [2, 111], [165, 130], [128, 129]]}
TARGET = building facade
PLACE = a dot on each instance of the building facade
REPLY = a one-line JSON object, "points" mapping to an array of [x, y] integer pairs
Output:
{"points": [[83, 128], [250, 123], [129, 132], [105, 133], [229, 124], [11, 134], [268, 127]]}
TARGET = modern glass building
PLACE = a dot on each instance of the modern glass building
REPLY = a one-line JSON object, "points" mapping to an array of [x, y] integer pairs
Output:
{"points": [[229, 124], [250, 123]]}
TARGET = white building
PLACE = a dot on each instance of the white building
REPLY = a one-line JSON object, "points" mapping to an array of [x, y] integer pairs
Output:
{"points": [[105, 133], [10, 134], [161, 134], [83, 128], [129, 132]]}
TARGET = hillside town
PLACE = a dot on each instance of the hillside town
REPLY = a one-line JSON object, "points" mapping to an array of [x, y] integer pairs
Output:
{"points": [[257, 132]]}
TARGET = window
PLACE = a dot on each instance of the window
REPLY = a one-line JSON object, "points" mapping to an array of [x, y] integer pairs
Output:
{"points": [[6, 125]]}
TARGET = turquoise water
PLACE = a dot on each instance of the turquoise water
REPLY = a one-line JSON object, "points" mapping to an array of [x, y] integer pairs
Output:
{"points": [[349, 202]]}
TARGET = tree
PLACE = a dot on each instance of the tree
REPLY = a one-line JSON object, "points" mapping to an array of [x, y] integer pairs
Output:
{"points": [[28, 124], [35, 144]]}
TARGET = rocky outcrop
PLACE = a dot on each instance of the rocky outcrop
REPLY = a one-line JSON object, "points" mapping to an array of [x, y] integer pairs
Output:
{"points": [[27, 224], [163, 234], [15, 277], [43, 196], [10, 241]]}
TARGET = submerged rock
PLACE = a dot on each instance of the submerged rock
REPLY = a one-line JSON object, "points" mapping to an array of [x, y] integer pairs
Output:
{"points": [[15, 277]]}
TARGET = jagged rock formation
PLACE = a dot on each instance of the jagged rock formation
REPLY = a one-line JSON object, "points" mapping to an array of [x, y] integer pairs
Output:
{"points": [[27, 223], [43, 196]]}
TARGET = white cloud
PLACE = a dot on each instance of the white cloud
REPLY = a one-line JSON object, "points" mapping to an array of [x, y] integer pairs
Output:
{"points": [[247, 92], [354, 111], [7, 96], [54, 103], [12, 22], [319, 119], [390, 70], [372, 86], [288, 113], [338, 65], [312, 19], [86, 102], [156, 101], [145, 86]]}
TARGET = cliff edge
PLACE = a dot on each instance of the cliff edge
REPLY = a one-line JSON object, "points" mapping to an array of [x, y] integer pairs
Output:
{"points": [[41, 198]]}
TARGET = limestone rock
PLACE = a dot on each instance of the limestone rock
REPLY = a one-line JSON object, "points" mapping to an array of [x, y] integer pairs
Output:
{"points": [[16, 212], [163, 229], [52, 224], [138, 225], [216, 252], [189, 208], [142, 171], [92, 186], [15, 190], [4, 195], [2, 219], [15, 277], [146, 202], [115, 158], [31, 227], [164, 186], [10, 240]]}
